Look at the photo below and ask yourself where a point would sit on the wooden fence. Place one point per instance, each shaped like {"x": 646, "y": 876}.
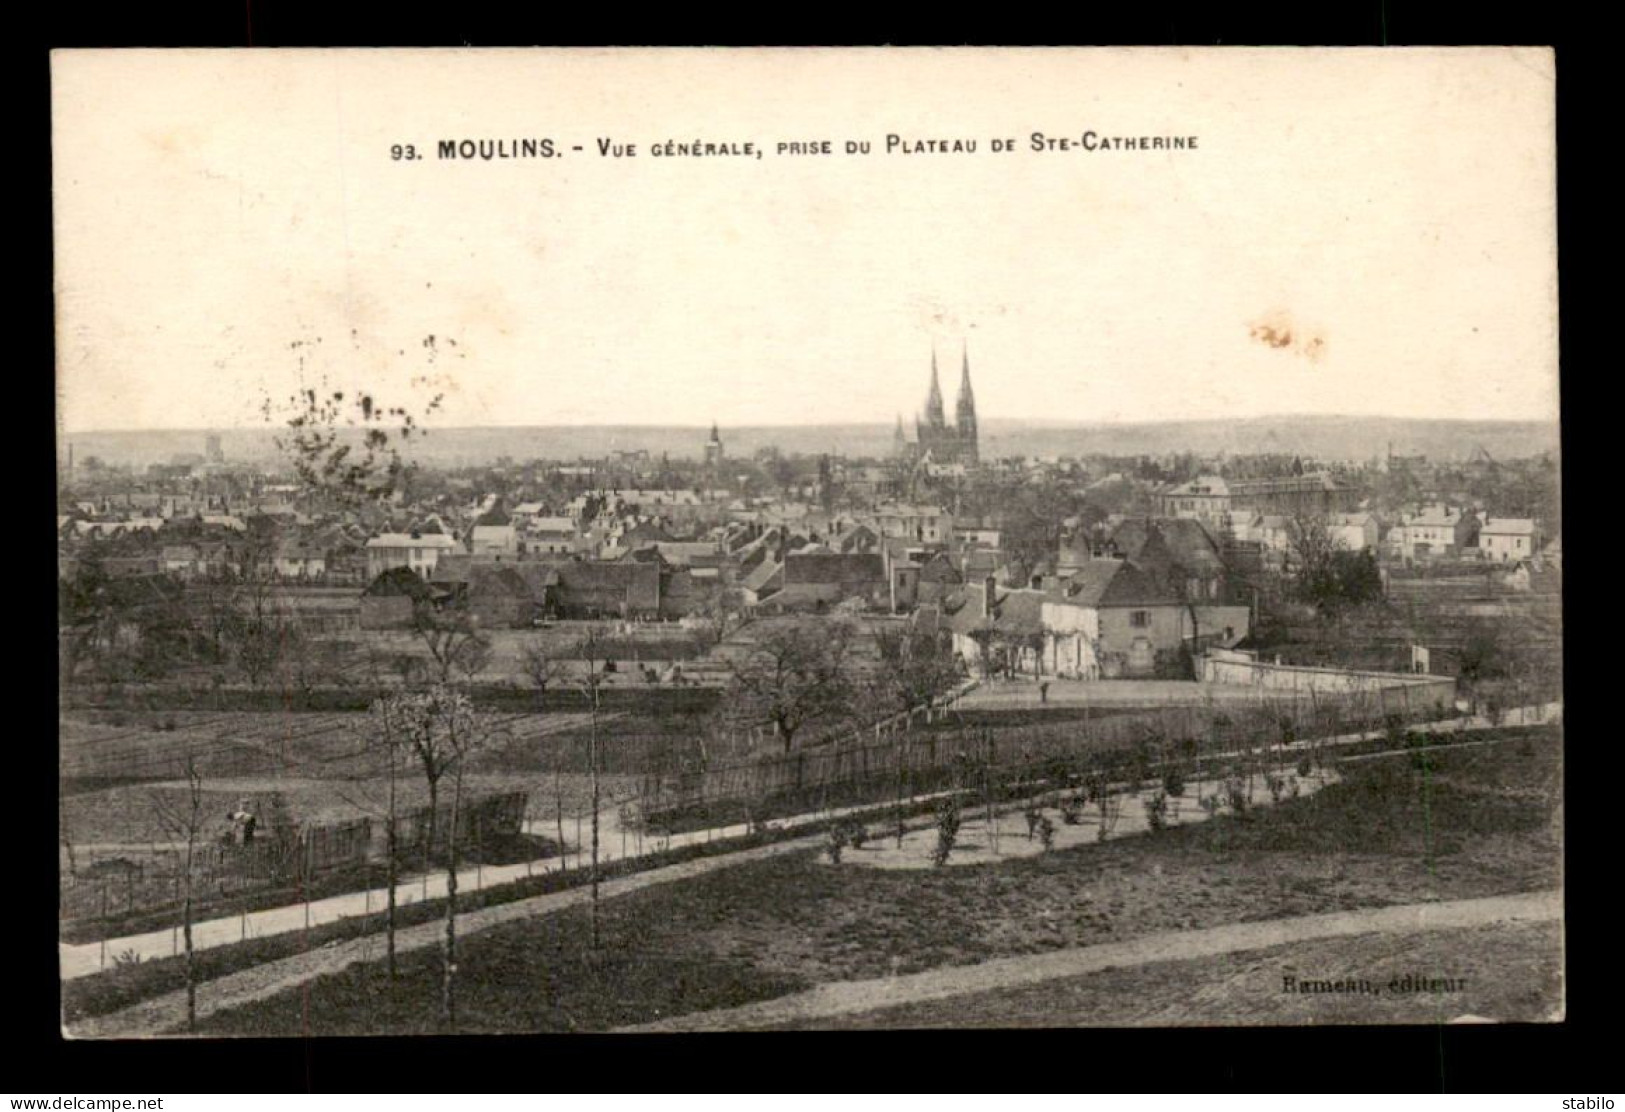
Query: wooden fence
{"x": 905, "y": 763}
{"x": 128, "y": 882}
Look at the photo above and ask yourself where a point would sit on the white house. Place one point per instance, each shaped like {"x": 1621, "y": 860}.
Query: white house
{"x": 1206, "y": 498}
{"x": 499, "y": 541}
{"x": 1436, "y": 531}
{"x": 552, "y": 536}
{"x": 418, "y": 551}
{"x": 1355, "y": 532}
{"x": 915, "y": 523}
{"x": 1504, "y": 540}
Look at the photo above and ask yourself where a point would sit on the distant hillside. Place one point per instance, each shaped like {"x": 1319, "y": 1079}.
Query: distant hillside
{"x": 1325, "y": 438}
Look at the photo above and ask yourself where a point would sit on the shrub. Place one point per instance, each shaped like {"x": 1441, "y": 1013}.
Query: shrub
{"x": 1305, "y": 767}
{"x": 947, "y": 829}
{"x": 1156, "y": 810}
{"x": 1393, "y": 725}
{"x": 125, "y": 958}
{"x": 1072, "y": 809}
{"x": 1058, "y": 771}
{"x": 1235, "y": 790}
{"x": 1096, "y": 786}
{"x": 1033, "y": 816}
{"x": 1173, "y": 783}
{"x": 857, "y": 835}
{"x": 838, "y": 836}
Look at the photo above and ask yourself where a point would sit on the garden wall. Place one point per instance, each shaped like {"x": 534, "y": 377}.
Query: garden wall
{"x": 1409, "y": 692}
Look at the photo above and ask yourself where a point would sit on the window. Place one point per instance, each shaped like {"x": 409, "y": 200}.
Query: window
{"x": 1139, "y": 619}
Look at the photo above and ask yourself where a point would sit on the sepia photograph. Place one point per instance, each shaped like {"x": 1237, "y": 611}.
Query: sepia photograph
{"x": 709, "y": 540}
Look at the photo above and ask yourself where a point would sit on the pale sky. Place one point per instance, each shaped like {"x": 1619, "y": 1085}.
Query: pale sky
{"x": 1390, "y": 211}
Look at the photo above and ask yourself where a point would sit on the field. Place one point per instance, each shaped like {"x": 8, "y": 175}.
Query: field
{"x": 1472, "y": 822}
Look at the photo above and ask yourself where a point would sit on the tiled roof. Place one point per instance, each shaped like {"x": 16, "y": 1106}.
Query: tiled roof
{"x": 1016, "y": 611}
{"x": 406, "y": 540}
{"x": 833, "y": 567}
{"x": 763, "y": 575}
{"x": 1109, "y": 583}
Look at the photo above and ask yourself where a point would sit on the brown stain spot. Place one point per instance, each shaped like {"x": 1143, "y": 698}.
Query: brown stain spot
{"x": 440, "y": 383}
{"x": 1271, "y": 335}
{"x": 1277, "y": 330}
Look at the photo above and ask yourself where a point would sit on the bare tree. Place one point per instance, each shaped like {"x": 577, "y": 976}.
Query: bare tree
{"x": 796, "y": 674}
{"x": 385, "y": 737}
{"x": 589, "y": 651}
{"x": 718, "y": 615}
{"x": 442, "y": 730}
{"x": 64, "y": 831}
{"x": 184, "y": 822}
{"x": 345, "y": 448}
{"x": 1312, "y": 554}
{"x": 454, "y": 641}
{"x": 914, "y": 669}
{"x": 543, "y": 668}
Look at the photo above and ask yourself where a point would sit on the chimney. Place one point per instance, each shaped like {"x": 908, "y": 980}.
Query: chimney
{"x": 990, "y": 587}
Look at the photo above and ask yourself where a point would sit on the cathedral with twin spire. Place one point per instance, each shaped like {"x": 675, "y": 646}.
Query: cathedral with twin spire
{"x": 933, "y": 436}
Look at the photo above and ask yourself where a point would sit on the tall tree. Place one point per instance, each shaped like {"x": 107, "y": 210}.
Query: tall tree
{"x": 589, "y": 651}
{"x": 442, "y": 731}
{"x": 795, "y": 674}
{"x": 914, "y": 669}
{"x": 184, "y": 821}
{"x": 345, "y": 448}
{"x": 454, "y": 640}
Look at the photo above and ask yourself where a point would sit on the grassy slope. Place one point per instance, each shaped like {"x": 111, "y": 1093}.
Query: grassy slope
{"x": 1509, "y": 972}
{"x": 1480, "y": 823}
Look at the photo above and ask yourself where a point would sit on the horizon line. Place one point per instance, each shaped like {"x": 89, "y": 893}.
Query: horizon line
{"x": 423, "y": 430}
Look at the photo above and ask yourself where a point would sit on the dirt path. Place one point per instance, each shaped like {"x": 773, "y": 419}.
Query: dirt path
{"x": 847, "y": 997}
{"x": 167, "y": 1014}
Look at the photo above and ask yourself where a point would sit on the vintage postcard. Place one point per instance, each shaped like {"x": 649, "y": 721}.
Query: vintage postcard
{"x": 701, "y": 540}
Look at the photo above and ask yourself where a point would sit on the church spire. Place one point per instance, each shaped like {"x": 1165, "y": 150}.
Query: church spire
{"x": 967, "y": 400}
{"x": 933, "y": 400}
{"x": 965, "y": 412}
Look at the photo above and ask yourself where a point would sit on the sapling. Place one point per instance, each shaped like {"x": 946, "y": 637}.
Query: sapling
{"x": 947, "y": 829}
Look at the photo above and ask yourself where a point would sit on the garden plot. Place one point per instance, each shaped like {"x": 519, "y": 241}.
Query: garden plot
{"x": 1125, "y": 815}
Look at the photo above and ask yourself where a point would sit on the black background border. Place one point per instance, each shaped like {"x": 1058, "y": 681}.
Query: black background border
{"x": 1569, "y": 1057}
